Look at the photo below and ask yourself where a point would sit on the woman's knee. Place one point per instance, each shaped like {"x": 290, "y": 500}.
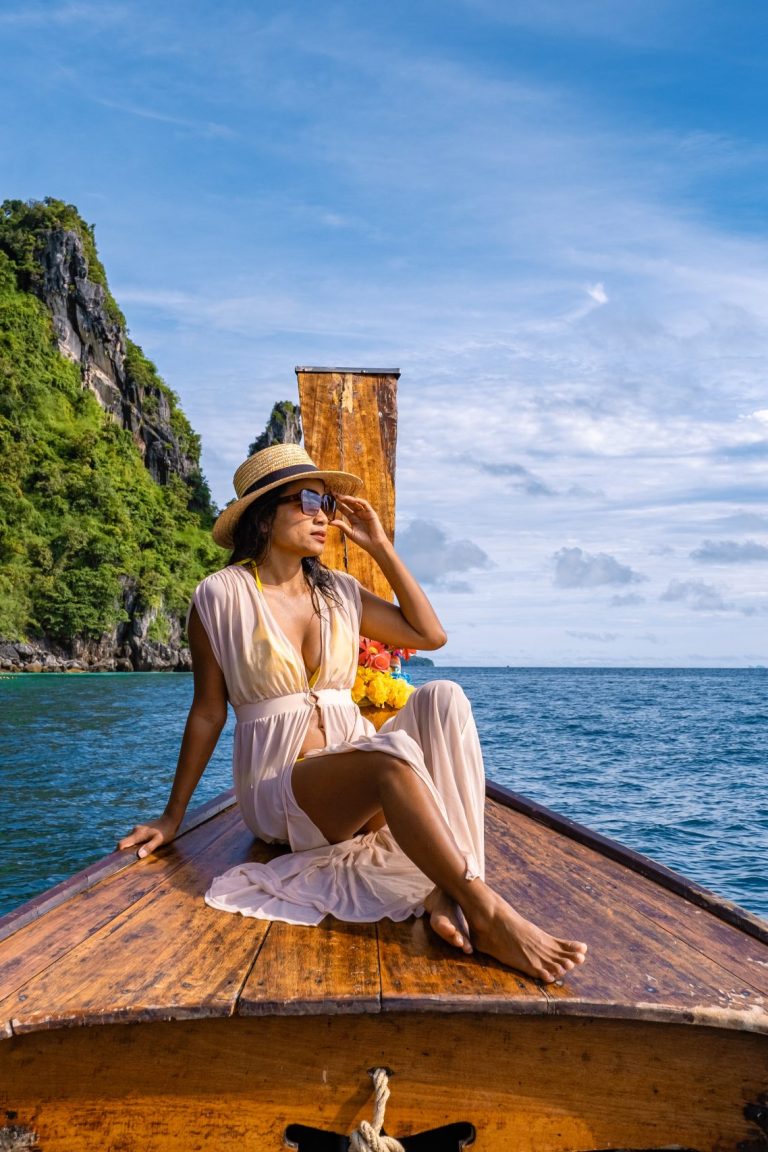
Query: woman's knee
{"x": 444, "y": 695}
{"x": 389, "y": 769}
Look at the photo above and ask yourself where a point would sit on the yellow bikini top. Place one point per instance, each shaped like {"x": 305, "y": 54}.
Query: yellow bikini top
{"x": 254, "y": 570}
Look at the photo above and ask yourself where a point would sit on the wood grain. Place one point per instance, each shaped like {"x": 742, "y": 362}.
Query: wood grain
{"x": 166, "y": 955}
{"x": 636, "y": 967}
{"x": 329, "y": 969}
{"x": 731, "y": 913}
{"x": 421, "y": 972}
{"x": 526, "y": 1084}
{"x": 39, "y": 943}
{"x": 350, "y": 423}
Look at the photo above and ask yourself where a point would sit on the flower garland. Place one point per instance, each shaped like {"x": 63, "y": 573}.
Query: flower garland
{"x": 380, "y": 681}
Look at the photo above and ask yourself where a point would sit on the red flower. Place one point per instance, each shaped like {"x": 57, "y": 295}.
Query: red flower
{"x": 374, "y": 654}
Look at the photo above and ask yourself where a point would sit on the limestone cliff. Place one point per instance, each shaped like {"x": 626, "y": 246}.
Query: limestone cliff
{"x": 110, "y": 363}
{"x": 104, "y": 513}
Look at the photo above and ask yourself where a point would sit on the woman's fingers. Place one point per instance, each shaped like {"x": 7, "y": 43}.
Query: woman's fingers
{"x": 136, "y": 836}
{"x": 151, "y": 844}
{"x": 145, "y": 835}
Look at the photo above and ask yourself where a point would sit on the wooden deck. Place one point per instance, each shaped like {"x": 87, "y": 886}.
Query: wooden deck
{"x": 132, "y": 940}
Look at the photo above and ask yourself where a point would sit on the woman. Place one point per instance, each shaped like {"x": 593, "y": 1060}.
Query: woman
{"x": 380, "y": 824}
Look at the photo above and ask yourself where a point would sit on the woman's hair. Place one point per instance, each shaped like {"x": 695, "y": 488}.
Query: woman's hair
{"x": 252, "y": 538}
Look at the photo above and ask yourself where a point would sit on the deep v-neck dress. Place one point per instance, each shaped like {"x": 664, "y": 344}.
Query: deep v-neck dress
{"x": 368, "y": 877}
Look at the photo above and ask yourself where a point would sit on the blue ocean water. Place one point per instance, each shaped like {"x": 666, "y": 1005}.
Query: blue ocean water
{"x": 671, "y": 762}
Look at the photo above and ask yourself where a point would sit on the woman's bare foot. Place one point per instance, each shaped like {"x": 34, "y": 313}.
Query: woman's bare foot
{"x": 447, "y": 920}
{"x": 507, "y": 936}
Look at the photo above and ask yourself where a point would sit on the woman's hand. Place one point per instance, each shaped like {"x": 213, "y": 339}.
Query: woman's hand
{"x": 362, "y": 525}
{"x": 150, "y": 836}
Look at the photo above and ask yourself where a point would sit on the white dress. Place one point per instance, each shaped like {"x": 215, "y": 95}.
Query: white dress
{"x": 368, "y": 877}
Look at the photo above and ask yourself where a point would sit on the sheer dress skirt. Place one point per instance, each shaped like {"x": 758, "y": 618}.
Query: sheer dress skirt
{"x": 368, "y": 877}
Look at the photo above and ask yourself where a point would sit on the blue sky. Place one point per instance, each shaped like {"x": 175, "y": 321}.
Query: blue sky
{"x": 550, "y": 217}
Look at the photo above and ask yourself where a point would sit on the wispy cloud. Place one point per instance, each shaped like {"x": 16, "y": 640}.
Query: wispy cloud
{"x": 522, "y": 478}
{"x": 81, "y": 15}
{"x": 730, "y": 552}
{"x": 626, "y": 600}
{"x": 200, "y": 127}
{"x": 695, "y": 594}
{"x": 598, "y": 637}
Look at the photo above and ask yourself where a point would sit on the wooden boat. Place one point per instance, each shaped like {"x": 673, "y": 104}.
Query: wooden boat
{"x": 133, "y": 1016}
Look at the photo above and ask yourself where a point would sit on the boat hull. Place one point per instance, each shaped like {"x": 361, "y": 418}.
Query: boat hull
{"x": 526, "y": 1083}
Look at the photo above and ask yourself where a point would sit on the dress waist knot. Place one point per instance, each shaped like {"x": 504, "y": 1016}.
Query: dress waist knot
{"x": 295, "y": 702}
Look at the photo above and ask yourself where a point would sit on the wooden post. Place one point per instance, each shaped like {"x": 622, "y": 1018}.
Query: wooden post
{"x": 350, "y": 423}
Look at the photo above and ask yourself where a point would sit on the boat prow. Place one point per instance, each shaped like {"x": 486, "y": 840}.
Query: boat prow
{"x": 135, "y": 1016}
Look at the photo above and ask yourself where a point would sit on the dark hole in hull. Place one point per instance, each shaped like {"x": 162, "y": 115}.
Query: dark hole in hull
{"x": 450, "y": 1138}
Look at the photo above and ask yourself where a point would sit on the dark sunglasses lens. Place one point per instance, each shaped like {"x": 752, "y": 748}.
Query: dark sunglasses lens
{"x": 312, "y": 502}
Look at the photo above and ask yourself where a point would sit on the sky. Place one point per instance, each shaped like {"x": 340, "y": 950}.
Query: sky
{"x": 550, "y": 217}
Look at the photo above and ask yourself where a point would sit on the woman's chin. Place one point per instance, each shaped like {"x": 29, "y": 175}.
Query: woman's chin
{"x": 313, "y": 552}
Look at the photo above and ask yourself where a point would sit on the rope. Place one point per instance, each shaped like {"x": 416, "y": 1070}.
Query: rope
{"x": 367, "y": 1137}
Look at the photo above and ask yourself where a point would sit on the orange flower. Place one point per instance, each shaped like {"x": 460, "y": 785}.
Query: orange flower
{"x": 374, "y": 654}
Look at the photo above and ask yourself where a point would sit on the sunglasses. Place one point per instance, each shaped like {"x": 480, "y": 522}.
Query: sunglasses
{"x": 312, "y": 502}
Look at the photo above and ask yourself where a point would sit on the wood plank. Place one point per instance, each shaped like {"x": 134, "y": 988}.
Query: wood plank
{"x": 734, "y": 949}
{"x": 681, "y": 885}
{"x": 636, "y": 968}
{"x": 419, "y": 972}
{"x": 167, "y": 956}
{"x": 304, "y": 971}
{"x": 350, "y": 423}
{"x": 36, "y": 946}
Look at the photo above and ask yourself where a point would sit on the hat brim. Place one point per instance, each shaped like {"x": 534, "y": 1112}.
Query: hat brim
{"x": 340, "y": 483}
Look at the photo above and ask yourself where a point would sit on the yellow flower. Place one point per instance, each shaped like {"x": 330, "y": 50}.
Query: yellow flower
{"x": 359, "y": 689}
{"x": 399, "y": 693}
{"x": 378, "y": 689}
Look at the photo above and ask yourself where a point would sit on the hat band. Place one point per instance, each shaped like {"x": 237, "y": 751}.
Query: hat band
{"x": 278, "y": 475}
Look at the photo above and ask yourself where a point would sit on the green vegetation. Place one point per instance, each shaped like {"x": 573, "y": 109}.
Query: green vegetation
{"x": 283, "y": 426}
{"x": 24, "y": 226}
{"x": 82, "y": 522}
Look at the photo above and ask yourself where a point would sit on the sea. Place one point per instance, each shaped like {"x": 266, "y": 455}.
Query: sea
{"x": 670, "y": 762}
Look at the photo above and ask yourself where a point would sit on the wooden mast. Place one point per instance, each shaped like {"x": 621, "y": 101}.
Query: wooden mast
{"x": 350, "y": 423}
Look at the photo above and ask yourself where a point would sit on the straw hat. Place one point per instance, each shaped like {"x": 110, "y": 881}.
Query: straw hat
{"x": 268, "y": 469}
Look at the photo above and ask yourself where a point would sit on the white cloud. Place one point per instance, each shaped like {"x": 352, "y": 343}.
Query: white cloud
{"x": 433, "y": 556}
{"x": 575, "y": 568}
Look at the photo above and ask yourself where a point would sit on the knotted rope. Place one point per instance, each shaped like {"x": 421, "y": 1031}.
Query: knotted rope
{"x": 367, "y": 1137}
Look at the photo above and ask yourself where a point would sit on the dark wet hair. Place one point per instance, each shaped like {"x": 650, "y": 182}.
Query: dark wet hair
{"x": 252, "y": 538}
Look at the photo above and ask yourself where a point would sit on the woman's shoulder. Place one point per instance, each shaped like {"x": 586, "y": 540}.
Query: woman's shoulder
{"x": 346, "y": 588}
{"x": 345, "y": 584}
{"x": 222, "y": 584}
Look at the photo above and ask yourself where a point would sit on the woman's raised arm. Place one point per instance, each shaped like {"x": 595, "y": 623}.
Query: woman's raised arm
{"x": 412, "y": 622}
{"x": 207, "y": 716}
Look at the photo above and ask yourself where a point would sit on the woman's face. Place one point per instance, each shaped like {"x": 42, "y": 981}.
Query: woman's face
{"x": 293, "y": 530}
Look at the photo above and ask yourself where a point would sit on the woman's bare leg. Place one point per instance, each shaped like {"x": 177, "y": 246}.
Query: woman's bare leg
{"x": 340, "y": 792}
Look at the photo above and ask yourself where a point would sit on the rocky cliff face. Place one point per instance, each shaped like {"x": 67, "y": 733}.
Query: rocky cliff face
{"x": 96, "y": 340}
{"x": 100, "y": 548}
